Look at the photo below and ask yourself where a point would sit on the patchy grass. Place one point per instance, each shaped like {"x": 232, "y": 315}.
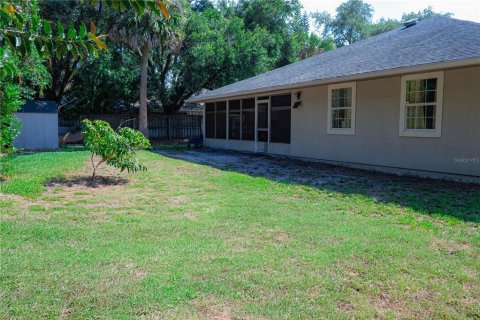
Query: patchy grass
{"x": 188, "y": 240}
{"x": 26, "y": 173}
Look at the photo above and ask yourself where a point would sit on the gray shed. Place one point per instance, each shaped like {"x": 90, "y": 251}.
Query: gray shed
{"x": 39, "y": 125}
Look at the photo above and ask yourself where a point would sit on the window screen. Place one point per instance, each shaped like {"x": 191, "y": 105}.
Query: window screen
{"x": 280, "y": 118}
{"x": 221, "y": 120}
{"x": 234, "y": 120}
{"x": 248, "y": 119}
{"x": 421, "y": 103}
{"x": 210, "y": 120}
{"x": 262, "y": 116}
{"x": 341, "y": 108}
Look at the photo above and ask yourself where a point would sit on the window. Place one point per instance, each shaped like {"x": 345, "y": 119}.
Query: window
{"x": 421, "y": 105}
{"x": 234, "y": 120}
{"x": 210, "y": 120}
{"x": 341, "y": 108}
{"x": 216, "y": 120}
{"x": 248, "y": 119}
{"x": 281, "y": 107}
{"x": 221, "y": 120}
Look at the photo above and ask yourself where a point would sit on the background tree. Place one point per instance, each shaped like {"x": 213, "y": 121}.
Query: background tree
{"x": 104, "y": 85}
{"x": 351, "y": 22}
{"x": 24, "y": 35}
{"x": 144, "y": 33}
{"x": 424, "y": 14}
{"x": 215, "y": 51}
{"x": 25, "y": 40}
{"x": 63, "y": 68}
{"x": 384, "y": 25}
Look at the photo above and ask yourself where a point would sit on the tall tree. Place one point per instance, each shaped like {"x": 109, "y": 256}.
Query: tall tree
{"x": 64, "y": 68}
{"x": 104, "y": 85}
{"x": 215, "y": 51}
{"x": 144, "y": 33}
{"x": 24, "y": 34}
{"x": 426, "y": 13}
{"x": 275, "y": 16}
{"x": 201, "y": 5}
{"x": 384, "y": 25}
{"x": 350, "y": 24}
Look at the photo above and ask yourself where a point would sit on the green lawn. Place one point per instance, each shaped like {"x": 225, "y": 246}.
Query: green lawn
{"x": 192, "y": 241}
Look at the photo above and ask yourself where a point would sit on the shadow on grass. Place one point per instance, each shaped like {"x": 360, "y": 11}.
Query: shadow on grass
{"x": 85, "y": 181}
{"x": 449, "y": 200}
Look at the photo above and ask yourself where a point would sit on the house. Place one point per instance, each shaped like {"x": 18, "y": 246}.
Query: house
{"x": 406, "y": 101}
{"x": 39, "y": 130}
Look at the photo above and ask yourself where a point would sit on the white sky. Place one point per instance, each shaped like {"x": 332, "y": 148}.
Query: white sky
{"x": 462, "y": 9}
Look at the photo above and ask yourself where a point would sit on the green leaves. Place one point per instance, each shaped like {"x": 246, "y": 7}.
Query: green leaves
{"x": 117, "y": 149}
{"x": 21, "y": 31}
{"x": 7, "y": 69}
{"x": 60, "y": 30}
{"x": 72, "y": 34}
{"x": 159, "y": 7}
{"x": 47, "y": 29}
{"x": 11, "y": 102}
{"x": 83, "y": 30}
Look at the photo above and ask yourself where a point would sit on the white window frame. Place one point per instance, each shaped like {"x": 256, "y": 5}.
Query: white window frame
{"x": 347, "y": 131}
{"x": 421, "y": 133}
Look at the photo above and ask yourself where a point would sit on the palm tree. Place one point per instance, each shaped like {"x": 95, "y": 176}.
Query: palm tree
{"x": 144, "y": 33}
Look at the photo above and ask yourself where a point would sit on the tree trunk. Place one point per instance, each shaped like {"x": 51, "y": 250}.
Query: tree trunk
{"x": 143, "y": 121}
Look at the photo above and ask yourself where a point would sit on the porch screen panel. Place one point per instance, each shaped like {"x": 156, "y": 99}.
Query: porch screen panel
{"x": 262, "y": 121}
{"x": 248, "y": 119}
{"x": 234, "y": 120}
{"x": 210, "y": 120}
{"x": 281, "y": 107}
{"x": 221, "y": 120}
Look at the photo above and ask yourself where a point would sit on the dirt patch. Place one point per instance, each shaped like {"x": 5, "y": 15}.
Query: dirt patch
{"x": 450, "y": 246}
{"x": 65, "y": 313}
{"x": 141, "y": 273}
{"x": 384, "y": 304}
{"x": 335, "y": 241}
{"x": 106, "y": 177}
{"x": 189, "y": 215}
{"x": 85, "y": 181}
{"x": 346, "y": 307}
{"x": 222, "y": 313}
{"x": 178, "y": 200}
{"x": 282, "y": 237}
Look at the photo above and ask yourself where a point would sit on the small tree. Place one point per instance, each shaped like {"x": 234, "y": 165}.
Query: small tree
{"x": 115, "y": 148}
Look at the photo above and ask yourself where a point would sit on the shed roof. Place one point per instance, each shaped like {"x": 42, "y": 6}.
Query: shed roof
{"x": 39, "y": 106}
{"x": 429, "y": 43}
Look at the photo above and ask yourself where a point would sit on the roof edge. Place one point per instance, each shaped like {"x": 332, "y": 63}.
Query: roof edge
{"x": 362, "y": 76}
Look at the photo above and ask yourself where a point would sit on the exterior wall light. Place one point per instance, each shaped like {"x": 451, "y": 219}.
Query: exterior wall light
{"x": 297, "y": 103}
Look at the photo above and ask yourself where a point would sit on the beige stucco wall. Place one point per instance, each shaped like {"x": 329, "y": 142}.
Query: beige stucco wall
{"x": 376, "y": 140}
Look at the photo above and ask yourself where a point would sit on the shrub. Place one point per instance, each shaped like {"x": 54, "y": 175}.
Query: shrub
{"x": 115, "y": 148}
{"x": 9, "y": 125}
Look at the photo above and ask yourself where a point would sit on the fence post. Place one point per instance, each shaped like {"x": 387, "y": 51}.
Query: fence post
{"x": 168, "y": 129}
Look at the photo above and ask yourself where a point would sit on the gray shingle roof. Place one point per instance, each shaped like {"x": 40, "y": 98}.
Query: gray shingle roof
{"x": 437, "y": 40}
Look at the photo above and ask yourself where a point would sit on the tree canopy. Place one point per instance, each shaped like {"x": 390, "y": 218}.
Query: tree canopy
{"x": 27, "y": 41}
{"x": 217, "y": 43}
{"x": 353, "y": 22}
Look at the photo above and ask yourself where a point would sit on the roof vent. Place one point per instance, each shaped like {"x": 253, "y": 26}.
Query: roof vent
{"x": 410, "y": 23}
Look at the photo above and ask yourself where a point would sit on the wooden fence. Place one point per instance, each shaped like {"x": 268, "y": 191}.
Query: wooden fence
{"x": 165, "y": 127}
